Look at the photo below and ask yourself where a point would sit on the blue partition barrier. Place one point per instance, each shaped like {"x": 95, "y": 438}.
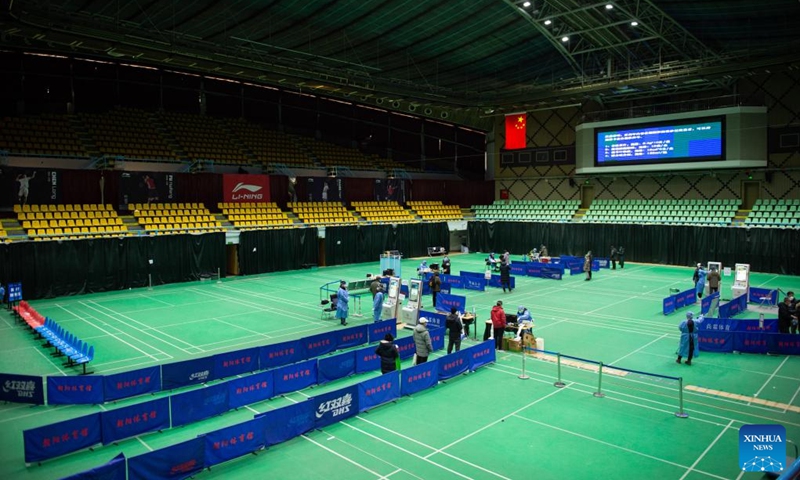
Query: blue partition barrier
{"x": 734, "y": 307}
{"x": 453, "y": 364}
{"x": 86, "y": 389}
{"x": 335, "y": 406}
{"x": 350, "y": 337}
{"x": 295, "y": 377}
{"x": 481, "y": 354}
{"x": 406, "y": 347}
{"x": 198, "y": 404}
{"x": 783, "y": 343}
{"x": 575, "y": 268}
{"x": 679, "y": 300}
{"x": 435, "y": 319}
{"x": 288, "y": 422}
{"x": 234, "y": 441}
{"x": 553, "y": 273}
{"x": 437, "y": 337}
{"x": 251, "y": 389}
{"x": 705, "y": 302}
{"x": 320, "y": 344}
{"x": 336, "y": 366}
{"x": 445, "y": 302}
{"x": 720, "y": 342}
{"x": 21, "y": 389}
{"x": 367, "y": 360}
{"x": 115, "y": 469}
{"x": 420, "y": 377}
{"x": 230, "y": 364}
{"x": 668, "y": 305}
{"x": 189, "y": 372}
{"x": 134, "y": 420}
{"x": 280, "y": 354}
{"x": 61, "y": 438}
{"x": 378, "y": 330}
{"x": 763, "y": 295}
{"x": 769, "y": 325}
{"x": 175, "y": 462}
{"x": 129, "y": 384}
{"x": 750, "y": 342}
{"x": 378, "y": 391}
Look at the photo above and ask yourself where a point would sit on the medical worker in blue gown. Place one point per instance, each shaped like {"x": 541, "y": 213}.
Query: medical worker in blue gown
{"x": 689, "y": 346}
{"x": 342, "y": 297}
{"x": 377, "y": 304}
{"x": 700, "y": 286}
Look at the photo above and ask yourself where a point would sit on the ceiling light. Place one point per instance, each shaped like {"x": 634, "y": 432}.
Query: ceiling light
{"x": 609, "y": 6}
{"x": 565, "y": 39}
{"x": 548, "y": 22}
{"x": 634, "y": 23}
{"x": 526, "y": 4}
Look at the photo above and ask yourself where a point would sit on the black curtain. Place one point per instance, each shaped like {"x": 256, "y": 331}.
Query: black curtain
{"x": 52, "y": 269}
{"x": 766, "y": 250}
{"x": 356, "y": 244}
{"x": 413, "y": 239}
{"x": 263, "y": 251}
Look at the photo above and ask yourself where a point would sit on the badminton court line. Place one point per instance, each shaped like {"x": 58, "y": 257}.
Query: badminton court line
{"x": 637, "y": 350}
{"x": 258, "y": 307}
{"x": 51, "y": 362}
{"x": 722, "y": 365}
{"x": 771, "y": 376}
{"x": 378, "y": 475}
{"x": 372, "y": 455}
{"x": 619, "y": 447}
{"x": 687, "y": 472}
{"x": 139, "y": 329}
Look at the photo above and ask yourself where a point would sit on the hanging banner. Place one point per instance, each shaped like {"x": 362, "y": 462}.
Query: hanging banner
{"x": 56, "y": 439}
{"x": 136, "y": 419}
{"x": 420, "y": 377}
{"x": 189, "y": 407}
{"x": 21, "y": 389}
{"x": 350, "y": 337}
{"x": 189, "y": 372}
{"x": 30, "y": 186}
{"x": 325, "y": 189}
{"x": 377, "y": 331}
{"x": 116, "y": 469}
{"x": 86, "y": 389}
{"x": 288, "y": 422}
{"x": 150, "y": 187}
{"x": 335, "y": 367}
{"x": 378, "y": 391}
{"x": 237, "y": 440}
{"x": 169, "y": 463}
{"x": 335, "y": 406}
{"x": 279, "y": 354}
{"x": 453, "y": 364}
{"x": 367, "y": 360}
{"x": 295, "y": 377}
{"x": 129, "y": 384}
{"x": 251, "y": 389}
{"x": 391, "y": 190}
{"x": 245, "y": 188}
{"x": 481, "y": 354}
{"x": 229, "y": 364}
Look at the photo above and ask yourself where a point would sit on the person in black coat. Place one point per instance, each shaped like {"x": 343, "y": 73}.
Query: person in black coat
{"x": 388, "y": 353}
{"x": 505, "y": 276}
{"x": 455, "y": 327}
{"x": 785, "y": 316}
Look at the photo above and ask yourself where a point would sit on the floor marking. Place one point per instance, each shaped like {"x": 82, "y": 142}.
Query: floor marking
{"x": 771, "y": 376}
{"x": 157, "y": 300}
{"x": 791, "y": 401}
{"x": 51, "y": 362}
{"x": 142, "y": 442}
{"x": 619, "y": 447}
{"x": 706, "y": 450}
{"x": 341, "y": 456}
{"x": 579, "y": 365}
{"x": 638, "y": 349}
{"x": 252, "y": 409}
{"x": 744, "y": 398}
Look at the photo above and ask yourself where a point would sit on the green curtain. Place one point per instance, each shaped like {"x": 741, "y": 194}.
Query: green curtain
{"x": 767, "y": 250}
{"x": 263, "y": 251}
{"x": 413, "y": 239}
{"x": 51, "y": 269}
{"x": 356, "y": 244}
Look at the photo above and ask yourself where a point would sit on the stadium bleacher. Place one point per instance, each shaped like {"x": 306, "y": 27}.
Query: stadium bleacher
{"x": 383, "y": 212}
{"x": 435, "y": 210}
{"x": 718, "y": 212}
{"x": 127, "y": 132}
{"x": 173, "y": 218}
{"x": 255, "y": 215}
{"x": 322, "y": 213}
{"x": 202, "y": 138}
{"x": 783, "y": 213}
{"x": 48, "y": 134}
{"x": 528, "y": 210}
{"x": 59, "y": 222}
{"x": 268, "y": 146}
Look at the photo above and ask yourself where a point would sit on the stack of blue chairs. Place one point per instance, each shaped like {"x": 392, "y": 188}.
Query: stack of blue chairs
{"x": 66, "y": 344}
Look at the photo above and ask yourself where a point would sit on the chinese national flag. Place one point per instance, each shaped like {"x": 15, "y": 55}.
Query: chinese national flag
{"x": 515, "y": 131}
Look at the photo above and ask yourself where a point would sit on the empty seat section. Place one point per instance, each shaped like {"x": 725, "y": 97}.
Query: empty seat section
{"x": 173, "y": 218}
{"x": 384, "y": 212}
{"x": 528, "y": 210}
{"x": 251, "y": 216}
{"x": 435, "y": 210}
{"x": 322, "y": 213}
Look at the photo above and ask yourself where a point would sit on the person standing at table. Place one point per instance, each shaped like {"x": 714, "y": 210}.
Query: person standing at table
{"x": 446, "y": 265}
{"x": 436, "y": 285}
{"x": 713, "y": 280}
{"x": 455, "y": 327}
{"x": 700, "y": 286}
{"x": 621, "y": 255}
{"x": 543, "y": 251}
{"x": 342, "y": 299}
{"x": 613, "y": 258}
{"x": 505, "y": 276}
{"x": 377, "y": 304}
{"x": 785, "y": 316}
{"x": 498, "y": 324}
{"x": 422, "y": 341}
{"x": 388, "y": 353}
{"x": 373, "y": 287}
{"x": 587, "y": 265}
{"x": 689, "y": 346}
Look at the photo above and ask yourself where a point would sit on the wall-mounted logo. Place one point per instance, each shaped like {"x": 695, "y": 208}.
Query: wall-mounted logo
{"x": 762, "y": 448}
{"x": 244, "y": 186}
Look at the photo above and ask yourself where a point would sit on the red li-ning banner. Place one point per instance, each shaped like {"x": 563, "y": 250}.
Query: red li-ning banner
{"x": 241, "y": 188}
{"x": 515, "y": 131}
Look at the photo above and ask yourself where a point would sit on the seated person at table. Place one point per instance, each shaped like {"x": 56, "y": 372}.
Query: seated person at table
{"x": 534, "y": 255}
{"x": 524, "y": 320}
{"x": 446, "y": 265}
{"x": 423, "y": 268}
{"x": 492, "y": 262}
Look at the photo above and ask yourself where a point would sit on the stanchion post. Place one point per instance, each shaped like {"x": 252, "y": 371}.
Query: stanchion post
{"x": 599, "y": 393}
{"x": 680, "y": 413}
{"x": 149, "y": 281}
{"x": 559, "y": 383}
{"x": 219, "y": 277}
{"x": 523, "y": 376}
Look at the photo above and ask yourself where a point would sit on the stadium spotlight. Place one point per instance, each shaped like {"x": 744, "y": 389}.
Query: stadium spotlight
{"x": 548, "y": 22}
{"x": 634, "y": 23}
{"x": 526, "y": 4}
{"x": 565, "y": 39}
{"x": 609, "y": 6}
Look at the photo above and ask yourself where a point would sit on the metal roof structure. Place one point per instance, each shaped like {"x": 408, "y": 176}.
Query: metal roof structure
{"x": 477, "y": 55}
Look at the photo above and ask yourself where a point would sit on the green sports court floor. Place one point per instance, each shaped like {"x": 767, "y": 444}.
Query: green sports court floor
{"x": 488, "y": 424}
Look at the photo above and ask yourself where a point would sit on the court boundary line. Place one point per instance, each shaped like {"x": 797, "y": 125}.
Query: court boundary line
{"x": 638, "y": 350}
{"x": 372, "y": 455}
{"x": 329, "y": 450}
{"x": 771, "y": 376}
{"x": 755, "y": 372}
{"x": 51, "y": 362}
{"x": 708, "y": 448}
{"x": 143, "y": 443}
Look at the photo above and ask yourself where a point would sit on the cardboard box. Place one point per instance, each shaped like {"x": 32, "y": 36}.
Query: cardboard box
{"x": 514, "y": 345}
{"x": 528, "y": 340}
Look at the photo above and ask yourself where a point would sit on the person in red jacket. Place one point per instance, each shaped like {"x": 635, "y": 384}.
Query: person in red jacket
{"x": 499, "y": 324}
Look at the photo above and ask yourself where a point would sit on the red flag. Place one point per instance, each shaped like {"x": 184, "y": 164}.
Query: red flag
{"x": 515, "y": 131}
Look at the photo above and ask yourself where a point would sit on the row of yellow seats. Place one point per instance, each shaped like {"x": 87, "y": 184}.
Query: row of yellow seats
{"x": 76, "y": 231}
{"x": 94, "y": 222}
{"x": 171, "y": 213}
{"x": 313, "y": 204}
{"x": 162, "y": 206}
{"x": 251, "y": 211}
{"x": 257, "y": 223}
{"x": 381, "y": 209}
{"x": 170, "y": 220}
{"x": 391, "y": 220}
{"x": 62, "y": 208}
{"x": 402, "y": 213}
{"x": 182, "y": 226}
{"x": 328, "y": 214}
{"x": 222, "y": 205}
{"x": 319, "y": 210}
{"x": 372, "y": 203}
{"x": 65, "y": 215}
{"x": 239, "y": 218}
